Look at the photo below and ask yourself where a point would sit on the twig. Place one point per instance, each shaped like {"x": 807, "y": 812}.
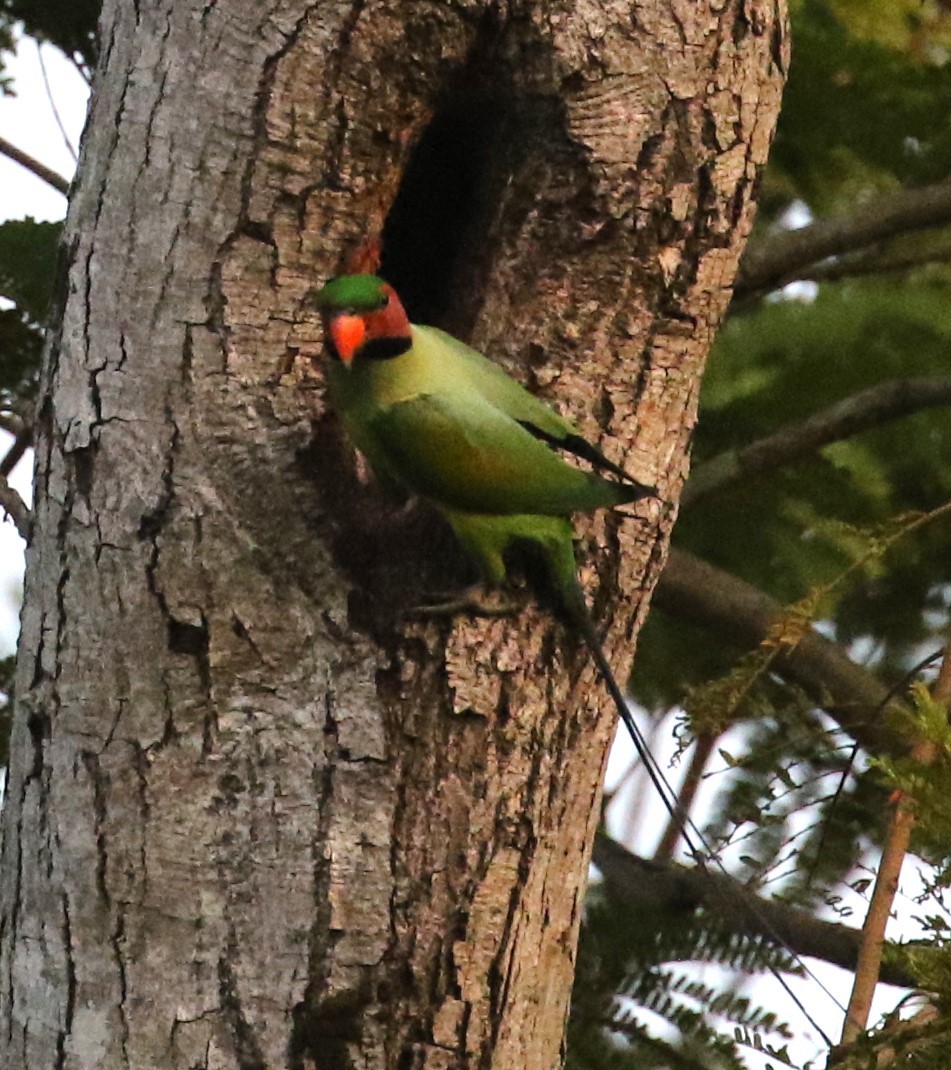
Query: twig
{"x": 850, "y": 416}
{"x": 896, "y": 688}
{"x": 21, "y": 443}
{"x": 897, "y": 838}
{"x": 15, "y": 508}
{"x": 52, "y": 101}
{"x": 688, "y": 792}
{"x": 641, "y": 884}
{"x": 11, "y": 423}
{"x": 82, "y": 68}
{"x": 739, "y": 612}
{"x": 783, "y": 257}
{"x": 868, "y": 967}
{"x": 39, "y": 169}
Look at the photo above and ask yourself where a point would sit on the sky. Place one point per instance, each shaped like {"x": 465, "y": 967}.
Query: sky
{"x": 29, "y": 122}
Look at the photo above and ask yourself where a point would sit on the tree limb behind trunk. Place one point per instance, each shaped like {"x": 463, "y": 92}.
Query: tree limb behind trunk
{"x": 859, "y": 702}
{"x": 785, "y": 256}
{"x": 638, "y": 884}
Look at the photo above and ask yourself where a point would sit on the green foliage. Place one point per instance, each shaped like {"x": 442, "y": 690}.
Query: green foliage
{"x": 68, "y": 24}
{"x": 862, "y": 112}
{"x": 801, "y": 527}
{"x": 796, "y": 808}
{"x": 7, "y": 44}
{"x": 916, "y": 27}
{"x": 21, "y": 346}
{"x": 853, "y": 536}
{"x": 909, "y": 1041}
{"x": 630, "y": 965}
{"x": 925, "y": 786}
{"x": 930, "y": 959}
{"x": 28, "y": 251}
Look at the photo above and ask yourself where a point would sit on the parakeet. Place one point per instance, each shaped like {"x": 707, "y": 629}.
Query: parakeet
{"x": 442, "y": 421}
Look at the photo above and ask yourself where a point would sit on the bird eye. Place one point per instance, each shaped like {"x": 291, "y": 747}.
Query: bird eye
{"x": 385, "y": 300}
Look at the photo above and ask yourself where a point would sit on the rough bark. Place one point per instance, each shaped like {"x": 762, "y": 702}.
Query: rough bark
{"x": 254, "y": 818}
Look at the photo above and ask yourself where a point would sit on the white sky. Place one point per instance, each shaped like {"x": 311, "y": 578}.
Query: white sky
{"x": 28, "y": 121}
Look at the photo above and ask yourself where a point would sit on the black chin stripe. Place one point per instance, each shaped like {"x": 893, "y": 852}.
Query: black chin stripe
{"x": 385, "y": 348}
{"x": 377, "y": 349}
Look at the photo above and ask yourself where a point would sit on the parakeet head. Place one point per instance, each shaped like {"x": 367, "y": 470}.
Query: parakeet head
{"x": 363, "y": 318}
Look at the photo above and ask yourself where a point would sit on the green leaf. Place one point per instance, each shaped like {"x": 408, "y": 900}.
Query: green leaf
{"x": 28, "y": 252}
{"x": 21, "y": 349}
{"x": 862, "y": 112}
{"x": 68, "y": 24}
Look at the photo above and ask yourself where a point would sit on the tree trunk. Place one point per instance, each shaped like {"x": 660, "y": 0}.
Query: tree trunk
{"x": 255, "y": 816}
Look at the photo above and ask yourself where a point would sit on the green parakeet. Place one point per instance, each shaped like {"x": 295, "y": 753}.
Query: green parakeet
{"x": 444, "y": 422}
{"x": 439, "y": 419}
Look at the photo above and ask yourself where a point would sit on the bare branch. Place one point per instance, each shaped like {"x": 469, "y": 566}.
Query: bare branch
{"x": 52, "y": 102}
{"x": 869, "y": 962}
{"x": 640, "y": 883}
{"x": 702, "y": 751}
{"x": 48, "y": 175}
{"x": 15, "y": 508}
{"x": 850, "y": 416}
{"x": 737, "y": 611}
{"x": 773, "y": 261}
{"x": 22, "y": 442}
{"x": 12, "y": 423}
{"x": 897, "y": 839}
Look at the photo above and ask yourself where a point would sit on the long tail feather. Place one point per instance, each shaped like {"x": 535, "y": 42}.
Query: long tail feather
{"x": 580, "y": 617}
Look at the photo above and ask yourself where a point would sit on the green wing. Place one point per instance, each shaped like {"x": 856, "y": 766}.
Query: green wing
{"x": 509, "y": 396}
{"x": 462, "y": 452}
{"x": 500, "y": 389}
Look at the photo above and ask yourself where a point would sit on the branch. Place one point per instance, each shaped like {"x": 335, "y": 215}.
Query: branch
{"x": 15, "y": 508}
{"x": 850, "y": 416}
{"x": 783, "y": 257}
{"x": 857, "y": 700}
{"x": 868, "y": 964}
{"x": 639, "y": 884}
{"x": 876, "y": 262}
{"x": 12, "y": 423}
{"x": 48, "y": 175}
{"x": 10, "y": 501}
{"x": 897, "y": 839}
{"x": 702, "y": 751}
{"x": 52, "y": 103}
{"x": 19, "y": 446}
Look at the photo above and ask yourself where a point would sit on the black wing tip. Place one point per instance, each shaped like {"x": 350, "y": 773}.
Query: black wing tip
{"x": 582, "y": 448}
{"x": 633, "y": 491}
{"x": 629, "y": 488}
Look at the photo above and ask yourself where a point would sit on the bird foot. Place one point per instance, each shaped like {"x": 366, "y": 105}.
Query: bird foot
{"x": 475, "y": 601}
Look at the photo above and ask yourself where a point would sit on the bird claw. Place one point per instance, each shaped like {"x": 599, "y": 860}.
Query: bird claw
{"x": 477, "y": 601}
